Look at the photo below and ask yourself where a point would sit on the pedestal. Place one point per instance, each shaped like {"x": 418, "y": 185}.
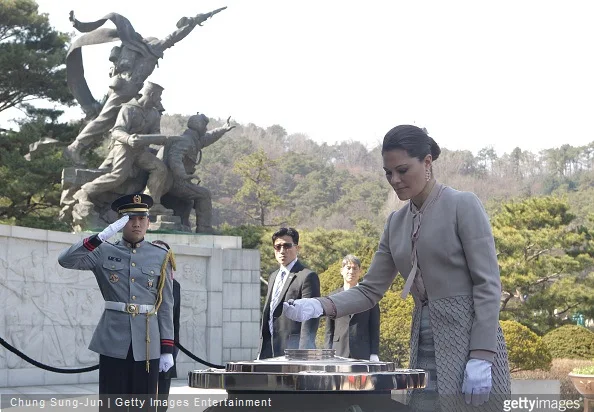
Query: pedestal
{"x": 167, "y": 222}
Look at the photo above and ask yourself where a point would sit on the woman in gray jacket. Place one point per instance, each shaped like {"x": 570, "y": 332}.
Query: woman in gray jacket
{"x": 441, "y": 243}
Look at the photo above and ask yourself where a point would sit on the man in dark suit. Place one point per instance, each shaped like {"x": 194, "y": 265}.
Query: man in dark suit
{"x": 354, "y": 336}
{"x": 165, "y": 377}
{"x": 291, "y": 281}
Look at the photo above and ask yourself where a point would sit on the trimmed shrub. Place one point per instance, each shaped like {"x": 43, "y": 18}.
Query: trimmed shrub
{"x": 251, "y": 235}
{"x": 395, "y": 322}
{"x": 570, "y": 342}
{"x": 526, "y": 350}
{"x": 331, "y": 279}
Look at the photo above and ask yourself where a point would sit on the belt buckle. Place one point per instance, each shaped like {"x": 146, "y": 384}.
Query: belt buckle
{"x": 132, "y": 309}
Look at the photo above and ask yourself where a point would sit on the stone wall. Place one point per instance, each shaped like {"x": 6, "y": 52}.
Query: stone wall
{"x": 50, "y": 313}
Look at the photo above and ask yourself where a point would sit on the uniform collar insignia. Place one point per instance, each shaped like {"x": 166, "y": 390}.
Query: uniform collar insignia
{"x": 132, "y": 245}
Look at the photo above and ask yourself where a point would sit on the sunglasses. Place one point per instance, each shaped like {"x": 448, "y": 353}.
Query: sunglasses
{"x": 279, "y": 246}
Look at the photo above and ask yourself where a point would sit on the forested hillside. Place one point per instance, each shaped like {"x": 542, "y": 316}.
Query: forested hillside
{"x": 267, "y": 178}
{"x": 300, "y": 182}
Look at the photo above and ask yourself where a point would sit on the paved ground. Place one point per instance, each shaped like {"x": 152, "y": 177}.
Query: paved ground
{"x": 186, "y": 398}
{"x": 178, "y": 386}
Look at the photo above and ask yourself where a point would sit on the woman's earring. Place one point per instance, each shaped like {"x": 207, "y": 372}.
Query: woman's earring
{"x": 427, "y": 174}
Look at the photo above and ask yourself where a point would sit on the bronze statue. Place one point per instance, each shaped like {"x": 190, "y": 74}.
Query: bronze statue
{"x": 137, "y": 127}
{"x": 133, "y": 122}
{"x": 181, "y": 156}
{"x": 133, "y": 62}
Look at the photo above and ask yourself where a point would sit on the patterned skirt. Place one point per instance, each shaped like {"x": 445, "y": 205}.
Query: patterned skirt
{"x": 452, "y": 400}
{"x": 426, "y": 399}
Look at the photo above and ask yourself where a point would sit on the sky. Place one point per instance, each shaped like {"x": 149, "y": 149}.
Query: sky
{"x": 502, "y": 73}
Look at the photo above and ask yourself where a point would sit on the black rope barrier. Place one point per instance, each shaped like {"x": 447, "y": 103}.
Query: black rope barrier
{"x": 33, "y": 362}
{"x": 40, "y": 365}
{"x": 196, "y": 358}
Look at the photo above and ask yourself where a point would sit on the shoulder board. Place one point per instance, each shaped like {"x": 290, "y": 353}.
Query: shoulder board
{"x": 162, "y": 249}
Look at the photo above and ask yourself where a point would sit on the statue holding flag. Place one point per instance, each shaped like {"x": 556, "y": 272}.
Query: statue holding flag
{"x": 133, "y": 62}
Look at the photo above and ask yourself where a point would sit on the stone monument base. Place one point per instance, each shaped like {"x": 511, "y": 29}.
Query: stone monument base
{"x": 96, "y": 214}
{"x": 165, "y": 222}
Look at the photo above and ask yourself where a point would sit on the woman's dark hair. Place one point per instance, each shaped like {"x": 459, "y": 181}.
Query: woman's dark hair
{"x": 414, "y": 140}
{"x": 284, "y": 231}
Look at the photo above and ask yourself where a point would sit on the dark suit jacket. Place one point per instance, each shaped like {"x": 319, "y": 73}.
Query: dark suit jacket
{"x": 354, "y": 337}
{"x": 172, "y": 373}
{"x": 288, "y": 334}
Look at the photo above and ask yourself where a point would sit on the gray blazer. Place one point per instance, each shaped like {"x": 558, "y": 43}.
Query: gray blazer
{"x": 129, "y": 274}
{"x": 457, "y": 256}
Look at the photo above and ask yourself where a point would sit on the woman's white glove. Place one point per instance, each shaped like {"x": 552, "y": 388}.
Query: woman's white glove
{"x": 477, "y": 382}
{"x": 301, "y": 310}
{"x": 374, "y": 358}
{"x": 114, "y": 228}
{"x": 165, "y": 362}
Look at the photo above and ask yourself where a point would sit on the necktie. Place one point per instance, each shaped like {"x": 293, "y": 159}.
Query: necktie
{"x": 276, "y": 291}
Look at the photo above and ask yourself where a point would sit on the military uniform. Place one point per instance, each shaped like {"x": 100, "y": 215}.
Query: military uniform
{"x": 128, "y": 276}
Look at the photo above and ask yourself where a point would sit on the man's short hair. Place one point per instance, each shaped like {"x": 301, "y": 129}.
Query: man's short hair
{"x": 351, "y": 259}
{"x": 286, "y": 231}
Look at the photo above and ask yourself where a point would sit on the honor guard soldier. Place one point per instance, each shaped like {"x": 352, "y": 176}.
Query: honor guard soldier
{"x": 134, "y": 337}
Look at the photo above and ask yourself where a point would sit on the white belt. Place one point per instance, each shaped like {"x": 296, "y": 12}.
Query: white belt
{"x": 131, "y": 308}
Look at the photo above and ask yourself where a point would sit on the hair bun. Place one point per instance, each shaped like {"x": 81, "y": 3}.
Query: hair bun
{"x": 435, "y": 150}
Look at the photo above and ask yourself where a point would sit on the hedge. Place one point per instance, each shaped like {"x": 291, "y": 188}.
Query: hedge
{"x": 570, "y": 342}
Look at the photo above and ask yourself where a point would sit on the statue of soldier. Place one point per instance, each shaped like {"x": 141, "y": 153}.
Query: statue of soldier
{"x": 181, "y": 156}
{"x": 136, "y": 128}
{"x": 133, "y": 63}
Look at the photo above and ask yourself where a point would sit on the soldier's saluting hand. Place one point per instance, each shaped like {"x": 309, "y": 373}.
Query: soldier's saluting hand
{"x": 114, "y": 228}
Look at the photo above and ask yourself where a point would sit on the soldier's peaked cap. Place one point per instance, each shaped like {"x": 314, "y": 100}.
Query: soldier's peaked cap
{"x": 137, "y": 204}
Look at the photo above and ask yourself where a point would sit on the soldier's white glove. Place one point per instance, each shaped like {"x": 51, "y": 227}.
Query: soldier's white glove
{"x": 477, "y": 382}
{"x": 114, "y": 228}
{"x": 374, "y": 358}
{"x": 165, "y": 362}
{"x": 301, "y": 310}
